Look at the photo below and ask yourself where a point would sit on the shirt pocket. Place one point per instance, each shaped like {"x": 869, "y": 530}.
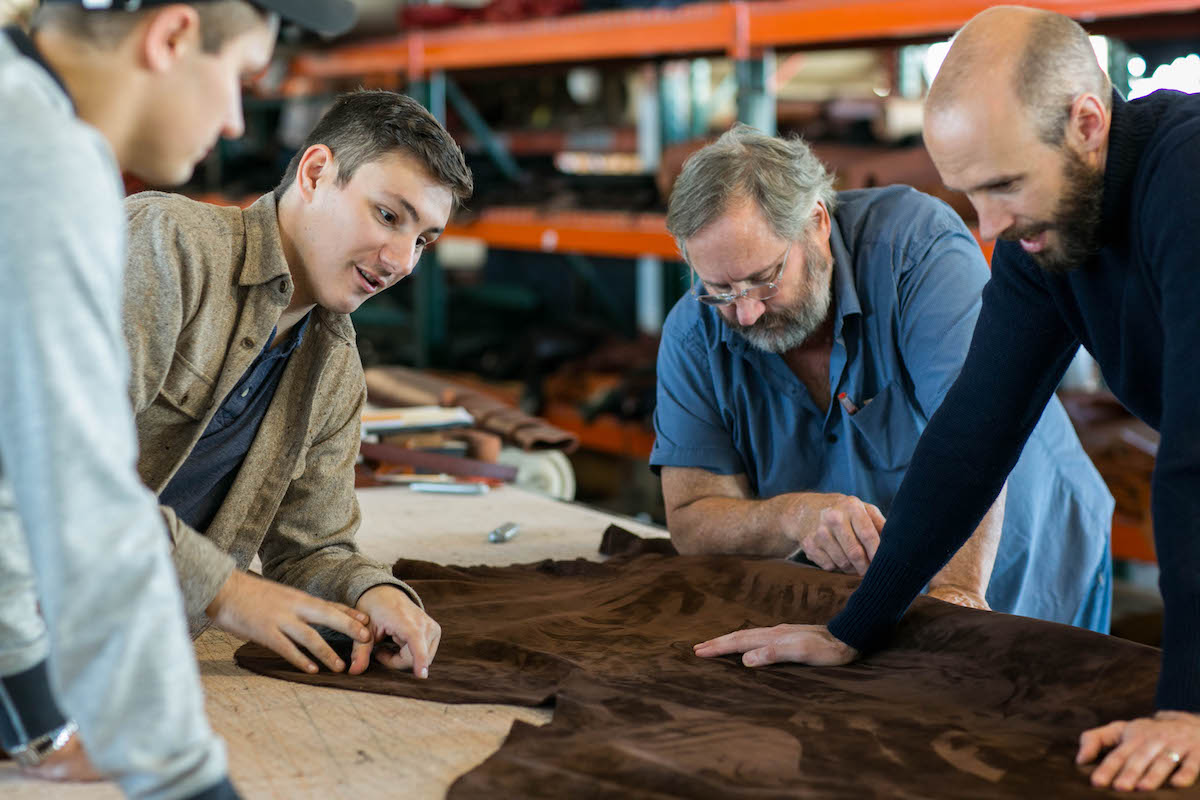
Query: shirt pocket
{"x": 187, "y": 390}
{"x": 887, "y": 428}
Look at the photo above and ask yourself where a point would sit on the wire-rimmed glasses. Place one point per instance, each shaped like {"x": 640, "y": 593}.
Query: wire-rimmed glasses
{"x": 759, "y": 290}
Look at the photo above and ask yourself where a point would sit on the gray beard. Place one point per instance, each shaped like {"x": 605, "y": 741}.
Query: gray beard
{"x": 783, "y": 329}
{"x": 786, "y": 328}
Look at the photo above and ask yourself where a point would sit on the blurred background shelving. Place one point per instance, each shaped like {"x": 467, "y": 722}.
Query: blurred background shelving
{"x": 576, "y": 116}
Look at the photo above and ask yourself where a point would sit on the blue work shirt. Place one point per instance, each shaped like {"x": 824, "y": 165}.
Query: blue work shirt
{"x": 907, "y": 282}
{"x": 198, "y": 488}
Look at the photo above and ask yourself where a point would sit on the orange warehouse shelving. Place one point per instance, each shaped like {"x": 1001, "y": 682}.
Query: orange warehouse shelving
{"x": 735, "y": 29}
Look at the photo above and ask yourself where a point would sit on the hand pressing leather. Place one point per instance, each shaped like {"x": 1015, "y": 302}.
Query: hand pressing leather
{"x": 802, "y": 644}
{"x": 281, "y": 618}
{"x": 396, "y": 618}
{"x": 1146, "y": 752}
{"x": 846, "y": 538}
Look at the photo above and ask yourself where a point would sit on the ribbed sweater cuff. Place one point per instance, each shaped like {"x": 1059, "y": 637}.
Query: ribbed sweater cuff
{"x": 878, "y": 603}
{"x": 222, "y": 791}
{"x": 1179, "y": 682}
{"x": 27, "y": 707}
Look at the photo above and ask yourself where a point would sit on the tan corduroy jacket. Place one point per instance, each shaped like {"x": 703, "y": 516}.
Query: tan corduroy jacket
{"x": 204, "y": 289}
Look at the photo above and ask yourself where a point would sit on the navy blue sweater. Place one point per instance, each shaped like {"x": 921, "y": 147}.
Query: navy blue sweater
{"x": 1136, "y": 308}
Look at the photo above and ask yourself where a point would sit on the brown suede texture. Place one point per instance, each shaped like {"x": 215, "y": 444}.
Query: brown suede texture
{"x": 964, "y": 704}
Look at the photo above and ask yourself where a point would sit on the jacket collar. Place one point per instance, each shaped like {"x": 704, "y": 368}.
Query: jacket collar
{"x": 265, "y": 262}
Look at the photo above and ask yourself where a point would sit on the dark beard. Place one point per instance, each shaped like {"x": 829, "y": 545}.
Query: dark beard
{"x": 783, "y": 329}
{"x": 1076, "y": 219}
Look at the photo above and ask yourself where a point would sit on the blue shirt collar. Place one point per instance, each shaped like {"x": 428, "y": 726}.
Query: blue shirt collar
{"x": 845, "y": 295}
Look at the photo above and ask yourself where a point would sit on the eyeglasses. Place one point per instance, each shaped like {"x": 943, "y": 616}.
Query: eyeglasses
{"x": 761, "y": 290}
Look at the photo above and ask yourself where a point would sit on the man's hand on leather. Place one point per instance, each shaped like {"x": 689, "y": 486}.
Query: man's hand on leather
{"x": 395, "y": 617}
{"x": 801, "y": 644}
{"x": 1146, "y": 752}
{"x": 281, "y": 618}
{"x": 846, "y": 538}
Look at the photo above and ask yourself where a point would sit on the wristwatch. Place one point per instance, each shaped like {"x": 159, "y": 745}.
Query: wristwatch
{"x": 38, "y": 750}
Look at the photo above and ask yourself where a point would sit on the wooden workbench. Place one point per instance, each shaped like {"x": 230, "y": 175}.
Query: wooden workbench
{"x": 293, "y": 742}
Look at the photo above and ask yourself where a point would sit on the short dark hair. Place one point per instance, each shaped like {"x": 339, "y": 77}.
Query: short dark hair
{"x": 220, "y": 21}
{"x": 364, "y": 125}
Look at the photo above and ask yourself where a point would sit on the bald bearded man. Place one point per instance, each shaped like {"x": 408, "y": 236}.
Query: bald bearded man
{"x": 1096, "y": 202}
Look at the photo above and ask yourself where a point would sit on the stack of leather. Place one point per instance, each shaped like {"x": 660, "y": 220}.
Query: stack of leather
{"x": 399, "y": 386}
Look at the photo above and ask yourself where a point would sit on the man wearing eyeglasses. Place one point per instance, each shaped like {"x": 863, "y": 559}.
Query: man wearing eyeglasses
{"x": 822, "y": 332}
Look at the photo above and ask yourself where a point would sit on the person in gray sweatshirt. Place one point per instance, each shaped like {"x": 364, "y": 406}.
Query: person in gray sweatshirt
{"x": 91, "y": 617}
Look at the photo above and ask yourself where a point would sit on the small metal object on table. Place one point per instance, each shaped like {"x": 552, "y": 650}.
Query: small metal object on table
{"x": 504, "y": 533}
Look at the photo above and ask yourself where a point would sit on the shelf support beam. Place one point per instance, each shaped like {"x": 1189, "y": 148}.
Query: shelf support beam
{"x": 429, "y": 295}
{"x": 649, "y": 119}
{"x": 675, "y": 101}
{"x": 701, "y": 93}
{"x": 603, "y": 295}
{"x": 756, "y": 91}
{"x": 483, "y": 133}
{"x": 649, "y": 294}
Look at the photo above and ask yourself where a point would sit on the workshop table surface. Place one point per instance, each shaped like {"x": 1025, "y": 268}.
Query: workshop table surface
{"x": 286, "y": 740}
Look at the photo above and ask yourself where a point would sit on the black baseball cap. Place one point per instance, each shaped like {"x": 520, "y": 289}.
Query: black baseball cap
{"x": 326, "y": 17}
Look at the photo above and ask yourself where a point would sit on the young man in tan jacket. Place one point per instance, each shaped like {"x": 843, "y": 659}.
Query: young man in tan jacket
{"x": 248, "y": 389}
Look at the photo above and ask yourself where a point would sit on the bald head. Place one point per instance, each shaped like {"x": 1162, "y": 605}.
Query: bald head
{"x": 1036, "y": 62}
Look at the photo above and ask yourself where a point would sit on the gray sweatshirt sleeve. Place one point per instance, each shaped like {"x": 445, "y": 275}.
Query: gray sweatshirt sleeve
{"x": 121, "y": 662}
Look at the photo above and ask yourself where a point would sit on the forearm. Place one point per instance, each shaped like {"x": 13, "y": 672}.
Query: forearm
{"x": 965, "y": 454}
{"x": 28, "y": 708}
{"x": 311, "y": 542}
{"x": 744, "y": 526}
{"x": 200, "y": 565}
{"x": 1175, "y": 489}
{"x": 971, "y": 567}
{"x": 23, "y": 641}
{"x": 335, "y": 573}
{"x": 314, "y": 549}
{"x": 1175, "y": 501}
{"x": 121, "y": 661}
{"x": 109, "y": 594}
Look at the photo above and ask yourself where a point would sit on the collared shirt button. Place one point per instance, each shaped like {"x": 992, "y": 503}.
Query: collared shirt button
{"x": 831, "y": 437}
{"x": 245, "y": 391}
